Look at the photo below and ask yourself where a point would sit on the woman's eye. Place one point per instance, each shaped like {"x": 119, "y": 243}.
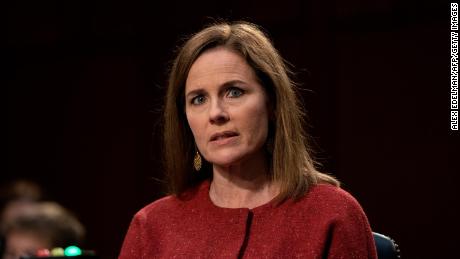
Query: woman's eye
{"x": 198, "y": 100}
{"x": 234, "y": 92}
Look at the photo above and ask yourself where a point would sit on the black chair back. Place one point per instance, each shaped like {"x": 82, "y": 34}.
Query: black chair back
{"x": 386, "y": 247}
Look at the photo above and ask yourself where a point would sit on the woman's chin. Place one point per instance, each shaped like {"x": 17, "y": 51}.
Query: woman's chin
{"x": 229, "y": 158}
{"x": 226, "y": 160}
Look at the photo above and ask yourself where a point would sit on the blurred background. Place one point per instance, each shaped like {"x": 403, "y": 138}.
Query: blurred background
{"x": 85, "y": 85}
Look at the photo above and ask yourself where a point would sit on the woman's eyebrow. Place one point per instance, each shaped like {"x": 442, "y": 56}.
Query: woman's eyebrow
{"x": 195, "y": 92}
{"x": 233, "y": 82}
{"x": 227, "y": 84}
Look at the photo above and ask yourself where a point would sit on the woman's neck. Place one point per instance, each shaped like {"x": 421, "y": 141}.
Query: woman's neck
{"x": 244, "y": 185}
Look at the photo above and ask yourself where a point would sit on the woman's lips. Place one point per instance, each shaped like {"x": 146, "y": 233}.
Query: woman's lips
{"x": 222, "y": 138}
{"x": 222, "y": 135}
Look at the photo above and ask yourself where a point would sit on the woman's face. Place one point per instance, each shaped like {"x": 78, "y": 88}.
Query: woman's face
{"x": 226, "y": 107}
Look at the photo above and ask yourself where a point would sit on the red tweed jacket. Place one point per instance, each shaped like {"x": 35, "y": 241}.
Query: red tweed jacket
{"x": 326, "y": 223}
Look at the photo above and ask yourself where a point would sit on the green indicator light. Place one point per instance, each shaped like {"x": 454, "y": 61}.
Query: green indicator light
{"x": 72, "y": 251}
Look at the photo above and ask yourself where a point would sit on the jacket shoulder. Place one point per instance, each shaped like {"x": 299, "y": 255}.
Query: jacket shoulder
{"x": 333, "y": 199}
{"x": 164, "y": 205}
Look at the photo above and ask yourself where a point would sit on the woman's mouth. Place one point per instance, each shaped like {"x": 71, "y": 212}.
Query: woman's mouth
{"x": 223, "y": 137}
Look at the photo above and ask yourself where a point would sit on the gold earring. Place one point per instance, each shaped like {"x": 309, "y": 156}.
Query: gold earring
{"x": 197, "y": 161}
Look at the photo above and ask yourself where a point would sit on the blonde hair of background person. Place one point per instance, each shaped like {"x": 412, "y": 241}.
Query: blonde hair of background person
{"x": 41, "y": 225}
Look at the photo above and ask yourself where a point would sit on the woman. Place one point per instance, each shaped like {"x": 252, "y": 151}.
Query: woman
{"x": 242, "y": 181}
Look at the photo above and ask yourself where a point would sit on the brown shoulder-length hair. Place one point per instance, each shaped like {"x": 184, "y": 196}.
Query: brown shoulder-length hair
{"x": 292, "y": 166}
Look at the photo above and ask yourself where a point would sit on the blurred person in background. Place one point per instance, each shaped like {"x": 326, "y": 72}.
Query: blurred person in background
{"x": 15, "y": 197}
{"x": 43, "y": 225}
{"x": 29, "y": 224}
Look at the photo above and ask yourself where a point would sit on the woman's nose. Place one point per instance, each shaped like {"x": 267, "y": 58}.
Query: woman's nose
{"x": 218, "y": 113}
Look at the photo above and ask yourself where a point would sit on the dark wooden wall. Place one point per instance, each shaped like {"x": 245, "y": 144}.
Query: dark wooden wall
{"x": 85, "y": 83}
